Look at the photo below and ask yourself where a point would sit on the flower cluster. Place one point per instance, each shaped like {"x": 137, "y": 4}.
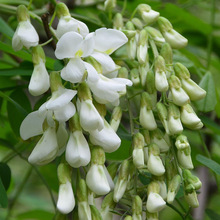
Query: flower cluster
{"x": 73, "y": 123}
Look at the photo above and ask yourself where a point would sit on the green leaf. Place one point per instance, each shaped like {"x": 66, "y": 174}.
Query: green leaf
{"x": 5, "y": 28}
{"x": 210, "y": 124}
{"x": 35, "y": 215}
{"x": 211, "y": 164}
{"x": 5, "y": 175}
{"x": 3, "y": 195}
{"x": 212, "y": 215}
{"x": 6, "y": 82}
{"x": 16, "y": 116}
{"x": 122, "y": 153}
{"x": 209, "y": 102}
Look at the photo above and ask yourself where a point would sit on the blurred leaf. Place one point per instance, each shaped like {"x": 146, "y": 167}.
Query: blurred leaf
{"x": 209, "y": 163}
{"x": 5, "y": 28}
{"x": 145, "y": 178}
{"x": 122, "y": 153}
{"x": 35, "y": 215}
{"x": 212, "y": 215}
{"x": 16, "y": 71}
{"x": 3, "y": 195}
{"x": 6, "y": 143}
{"x": 209, "y": 102}
{"x": 5, "y": 175}
{"x": 210, "y": 124}
{"x": 24, "y": 55}
{"x": 6, "y": 82}
{"x": 16, "y": 116}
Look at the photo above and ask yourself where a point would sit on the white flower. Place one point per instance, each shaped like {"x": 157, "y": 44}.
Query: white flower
{"x": 25, "y": 35}
{"x": 105, "y": 138}
{"x": 155, "y": 165}
{"x": 175, "y": 125}
{"x": 138, "y": 158}
{"x": 163, "y": 145}
{"x": 184, "y": 159}
{"x": 107, "y": 90}
{"x": 90, "y": 118}
{"x": 179, "y": 96}
{"x": 46, "y": 149}
{"x": 163, "y": 188}
{"x": 84, "y": 211}
{"x": 40, "y": 81}
{"x": 77, "y": 150}
{"x": 119, "y": 189}
{"x": 96, "y": 180}
{"x": 67, "y": 24}
{"x": 62, "y": 137}
{"x": 155, "y": 203}
{"x": 147, "y": 118}
{"x": 66, "y": 200}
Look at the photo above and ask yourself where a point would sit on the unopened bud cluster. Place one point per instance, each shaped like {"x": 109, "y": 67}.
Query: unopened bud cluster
{"x": 73, "y": 123}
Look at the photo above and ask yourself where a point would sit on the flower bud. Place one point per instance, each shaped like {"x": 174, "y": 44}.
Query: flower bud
{"x": 163, "y": 115}
{"x": 109, "y": 5}
{"x": 155, "y": 165}
{"x": 175, "y": 39}
{"x": 192, "y": 200}
{"x": 184, "y": 158}
{"x": 118, "y": 21}
{"x": 156, "y": 36}
{"x": 137, "y": 23}
{"x": 137, "y": 208}
{"x": 95, "y": 213}
{"x": 157, "y": 137}
{"x": 25, "y": 34}
{"x": 167, "y": 53}
{"x": 116, "y": 118}
{"x": 62, "y": 10}
{"x": 150, "y": 87}
{"x": 181, "y": 142}
{"x": 108, "y": 205}
{"x": 135, "y": 77}
{"x": 84, "y": 211}
{"x": 143, "y": 69}
{"x": 174, "y": 123}
{"x": 171, "y": 170}
{"x": 191, "y": 182}
{"x": 146, "y": 114}
{"x": 122, "y": 181}
{"x": 161, "y": 82}
{"x": 179, "y": 96}
{"x": 189, "y": 117}
{"x": 152, "y": 216}
{"x": 138, "y": 153}
{"x": 128, "y": 217}
{"x": 66, "y": 200}
{"x": 147, "y": 14}
{"x": 173, "y": 188}
{"x": 142, "y": 48}
{"x": 155, "y": 202}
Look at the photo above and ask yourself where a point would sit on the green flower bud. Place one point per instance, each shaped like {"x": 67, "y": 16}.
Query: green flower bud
{"x": 130, "y": 34}
{"x": 38, "y": 55}
{"x": 118, "y": 21}
{"x": 181, "y": 71}
{"x": 138, "y": 153}
{"x": 146, "y": 135}
{"x": 130, "y": 26}
{"x": 181, "y": 142}
{"x": 95, "y": 213}
{"x": 173, "y": 188}
{"x": 116, "y": 118}
{"x": 128, "y": 217}
{"x": 156, "y": 36}
{"x": 101, "y": 108}
{"x": 192, "y": 200}
{"x": 167, "y": 53}
{"x": 84, "y": 92}
{"x": 184, "y": 158}
{"x": 135, "y": 77}
{"x": 123, "y": 73}
{"x": 62, "y": 10}
{"x": 152, "y": 216}
{"x": 164, "y": 24}
{"x": 138, "y": 23}
{"x": 136, "y": 208}
{"x": 94, "y": 63}
{"x": 74, "y": 123}
{"x": 82, "y": 193}
{"x": 109, "y": 5}
{"x": 163, "y": 115}
{"x": 112, "y": 169}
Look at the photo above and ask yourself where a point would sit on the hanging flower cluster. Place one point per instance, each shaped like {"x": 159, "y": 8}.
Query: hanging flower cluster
{"x": 73, "y": 125}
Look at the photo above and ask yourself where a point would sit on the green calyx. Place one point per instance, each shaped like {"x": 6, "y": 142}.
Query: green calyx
{"x": 38, "y": 55}
{"x": 181, "y": 71}
{"x": 63, "y": 173}
{"x": 137, "y": 205}
{"x": 118, "y": 21}
{"x": 74, "y": 123}
{"x": 146, "y": 101}
{"x": 153, "y": 187}
{"x": 164, "y": 24}
{"x": 159, "y": 65}
{"x": 150, "y": 82}
{"x": 174, "y": 111}
{"x": 138, "y": 141}
{"x": 98, "y": 156}
{"x": 84, "y": 92}
{"x": 146, "y": 135}
{"x": 55, "y": 81}
{"x": 82, "y": 193}
{"x": 162, "y": 111}
{"x": 22, "y": 13}
{"x": 62, "y": 10}
{"x": 153, "y": 149}
{"x": 167, "y": 53}
{"x": 174, "y": 82}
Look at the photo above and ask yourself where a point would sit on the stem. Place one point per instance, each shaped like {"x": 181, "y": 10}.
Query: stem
{"x": 130, "y": 116}
{"x": 30, "y": 3}
{"x": 133, "y": 14}
{"x": 18, "y": 192}
{"x": 210, "y": 36}
{"x": 176, "y": 210}
{"x": 154, "y": 48}
{"x": 45, "y": 43}
{"x": 124, "y": 7}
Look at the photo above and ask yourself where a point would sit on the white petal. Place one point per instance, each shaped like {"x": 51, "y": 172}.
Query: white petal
{"x": 84, "y": 212}
{"x": 179, "y": 96}
{"x": 88, "y": 45}
{"x": 77, "y": 150}
{"x": 150, "y": 16}
{"x": 96, "y": 180}
{"x": 90, "y": 119}
{"x": 62, "y": 137}
{"x": 119, "y": 189}
{"x": 105, "y": 138}
{"x": 147, "y": 119}
{"x": 92, "y": 73}
{"x": 161, "y": 82}
{"x": 46, "y": 149}
{"x": 155, "y": 165}
{"x": 82, "y": 28}
{"x": 66, "y": 200}
{"x": 60, "y": 98}
{"x": 184, "y": 160}
{"x": 39, "y": 82}
{"x": 175, "y": 125}
{"x": 138, "y": 158}
{"x": 109, "y": 40}
{"x": 123, "y": 81}
{"x": 65, "y": 113}
{"x": 68, "y": 45}
{"x": 32, "y": 125}
{"x": 27, "y": 34}
{"x": 155, "y": 203}
{"x": 73, "y": 71}
{"x": 16, "y": 41}
{"x": 109, "y": 178}
{"x": 108, "y": 65}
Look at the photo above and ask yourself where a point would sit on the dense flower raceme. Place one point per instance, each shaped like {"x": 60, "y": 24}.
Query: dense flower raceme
{"x": 74, "y": 121}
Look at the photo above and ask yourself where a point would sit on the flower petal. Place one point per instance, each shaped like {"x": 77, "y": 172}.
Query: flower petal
{"x": 109, "y": 40}
{"x": 73, "y": 71}
{"x": 68, "y": 45}
{"x": 88, "y": 45}
{"x": 92, "y": 73}
{"x": 65, "y": 113}
{"x": 32, "y": 125}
